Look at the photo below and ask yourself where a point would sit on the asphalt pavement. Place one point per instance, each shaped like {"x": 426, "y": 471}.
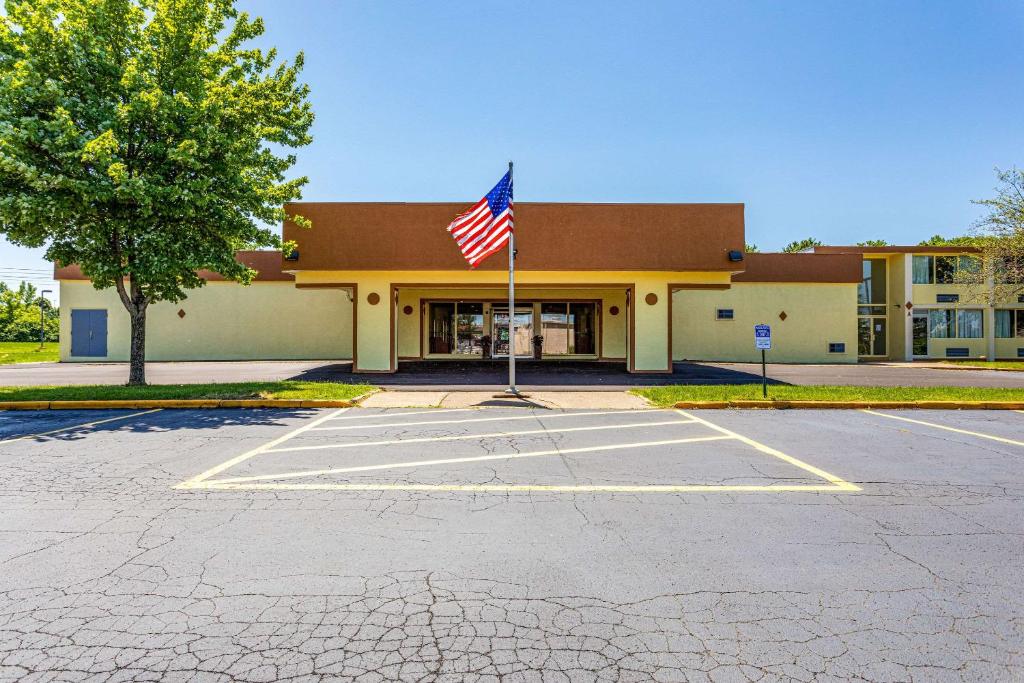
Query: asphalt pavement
{"x": 512, "y": 544}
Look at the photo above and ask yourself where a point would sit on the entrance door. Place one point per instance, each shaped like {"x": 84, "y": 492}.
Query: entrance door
{"x": 524, "y": 331}
{"x": 871, "y": 342}
{"x": 88, "y": 332}
{"x": 920, "y": 332}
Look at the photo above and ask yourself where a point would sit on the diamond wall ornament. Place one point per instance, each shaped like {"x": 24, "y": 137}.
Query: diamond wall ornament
{"x": 181, "y": 312}
{"x": 782, "y": 316}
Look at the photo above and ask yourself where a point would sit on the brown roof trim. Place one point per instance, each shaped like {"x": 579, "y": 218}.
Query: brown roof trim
{"x": 802, "y": 267}
{"x": 919, "y": 249}
{"x": 267, "y": 264}
{"x": 549, "y": 236}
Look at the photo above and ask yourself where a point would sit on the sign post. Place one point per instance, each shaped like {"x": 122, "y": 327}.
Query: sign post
{"x": 763, "y": 342}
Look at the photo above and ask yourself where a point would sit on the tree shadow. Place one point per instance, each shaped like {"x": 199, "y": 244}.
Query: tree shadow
{"x": 75, "y": 425}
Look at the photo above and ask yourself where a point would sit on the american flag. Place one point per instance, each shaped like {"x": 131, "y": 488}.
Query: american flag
{"x": 487, "y": 225}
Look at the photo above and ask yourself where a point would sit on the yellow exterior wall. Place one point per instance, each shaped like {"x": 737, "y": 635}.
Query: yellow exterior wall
{"x": 978, "y": 348}
{"x": 223, "y": 321}
{"x": 1007, "y": 348}
{"x": 374, "y": 321}
{"x": 816, "y": 314}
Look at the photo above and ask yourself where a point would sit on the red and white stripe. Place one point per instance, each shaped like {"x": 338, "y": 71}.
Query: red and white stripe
{"x": 479, "y": 233}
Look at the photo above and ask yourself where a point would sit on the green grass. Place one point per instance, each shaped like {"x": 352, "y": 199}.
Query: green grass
{"x": 104, "y": 392}
{"x": 666, "y": 396}
{"x": 27, "y": 352}
{"x": 989, "y": 365}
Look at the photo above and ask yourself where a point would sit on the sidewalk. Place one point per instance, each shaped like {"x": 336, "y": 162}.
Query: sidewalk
{"x": 556, "y": 400}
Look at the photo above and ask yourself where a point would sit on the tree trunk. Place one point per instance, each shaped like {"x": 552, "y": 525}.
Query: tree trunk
{"x": 137, "y": 357}
{"x": 135, "y": 302}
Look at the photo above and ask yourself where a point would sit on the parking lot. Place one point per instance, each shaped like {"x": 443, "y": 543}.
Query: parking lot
{"x": 513, "y": 543}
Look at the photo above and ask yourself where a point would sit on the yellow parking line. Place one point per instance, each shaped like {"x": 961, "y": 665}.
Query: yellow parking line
{"x": 469, "y": 437}
{"x": 478, "y": 419}
{"x": 478, "y": 458}
{"x": 79, "y": 426}
{"x": 948, "y": 429}
{"x": 843, "y": 484}
{"x": 191, "y": 483}
{"x": 540, "y": 488}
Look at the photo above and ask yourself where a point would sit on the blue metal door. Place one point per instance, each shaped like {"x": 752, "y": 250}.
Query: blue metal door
{"x": 88, "y": 332}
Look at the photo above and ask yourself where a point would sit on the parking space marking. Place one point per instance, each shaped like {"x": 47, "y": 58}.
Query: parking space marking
{"x": 93, "y": 423}
{"x": 273, "y": 481}
{"x": 464, "y": 437}
{"x": 947, "y": 428}
{"x": 477, "y": 419}
{"x": 199, "y": 478}
{"x": 474, "y": 458}
{"x": 833, "y": 479}
{"x": 537, "y": 488}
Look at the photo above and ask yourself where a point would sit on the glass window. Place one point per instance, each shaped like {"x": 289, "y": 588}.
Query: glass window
{"x": 554, "y": 327}
{"x": 582, "y": 319}
{"x": 968, "y": 323}
{"x": 469, "y": 323}
{"x": 923, "y": 267}
{"x": 941, "y": 323}
{"x": 872, "y": 286}
{"x": 568, "y": 328}
{"x": 441, "y": 330}
{"x": 945, "y": 269}
{"x": 970, "y": 264}
{"x": 1004, "y": 324}
{"x": 724, "y": 314}
{"x": 1020, "y": 324}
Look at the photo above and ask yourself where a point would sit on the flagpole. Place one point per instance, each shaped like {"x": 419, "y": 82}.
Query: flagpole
{"x": 511, "y": 303}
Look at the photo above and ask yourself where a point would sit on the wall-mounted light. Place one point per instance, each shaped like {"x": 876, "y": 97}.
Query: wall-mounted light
{"x": 735, "y": 256}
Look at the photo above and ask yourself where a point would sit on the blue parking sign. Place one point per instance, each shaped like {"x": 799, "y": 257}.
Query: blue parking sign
{"x": 762, "y": 337}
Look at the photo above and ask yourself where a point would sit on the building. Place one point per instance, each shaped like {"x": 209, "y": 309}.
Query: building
{"x": 639, "y": 284}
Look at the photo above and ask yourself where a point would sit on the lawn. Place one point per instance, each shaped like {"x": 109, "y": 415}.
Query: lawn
{"x": 324, "y": 391}
{"x": 27, "y": 352}
{"x": 667, "y": 396}
{"x": 989, "y": 365}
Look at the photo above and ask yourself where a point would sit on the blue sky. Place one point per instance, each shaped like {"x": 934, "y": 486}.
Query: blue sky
{"x": 838, "y": 120}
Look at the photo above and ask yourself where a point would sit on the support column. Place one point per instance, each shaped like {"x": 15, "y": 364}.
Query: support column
{"x": 907, "y": 313}
{"x": 649, "y": 334}
{"x": 374, "y": 321}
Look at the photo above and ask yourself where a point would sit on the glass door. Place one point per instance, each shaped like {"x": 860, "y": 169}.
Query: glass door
{"x": 871, "y": 338}
{"x": 920, "y": 338}
{"x": 524, "y": 331}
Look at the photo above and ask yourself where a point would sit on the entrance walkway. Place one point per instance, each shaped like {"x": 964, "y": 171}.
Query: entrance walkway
{"x": 555, "y": 400}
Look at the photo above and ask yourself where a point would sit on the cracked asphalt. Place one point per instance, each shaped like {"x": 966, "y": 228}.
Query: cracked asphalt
{"x": 511, "y": 544}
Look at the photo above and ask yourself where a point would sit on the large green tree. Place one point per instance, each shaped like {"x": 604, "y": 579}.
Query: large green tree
{"x": 998, "y": 238}
{"x": 145, "y": 140}
{"x": 20, "y": 314}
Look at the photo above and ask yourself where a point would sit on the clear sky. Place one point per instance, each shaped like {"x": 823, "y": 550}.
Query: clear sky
{"x": 844, "y": 121}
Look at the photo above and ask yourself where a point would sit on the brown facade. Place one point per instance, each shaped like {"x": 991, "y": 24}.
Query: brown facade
{"x": 816, "y": 267}
{"x": 398, "y": 236}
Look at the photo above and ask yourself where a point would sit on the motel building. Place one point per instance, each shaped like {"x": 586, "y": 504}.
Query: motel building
{"x": 637, "y": 285}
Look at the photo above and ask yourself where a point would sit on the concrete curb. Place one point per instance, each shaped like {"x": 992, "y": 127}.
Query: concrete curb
{"x": 857, "y": 405}
{"x": 953, "y": 366}
{"x": 176, "y": 403}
